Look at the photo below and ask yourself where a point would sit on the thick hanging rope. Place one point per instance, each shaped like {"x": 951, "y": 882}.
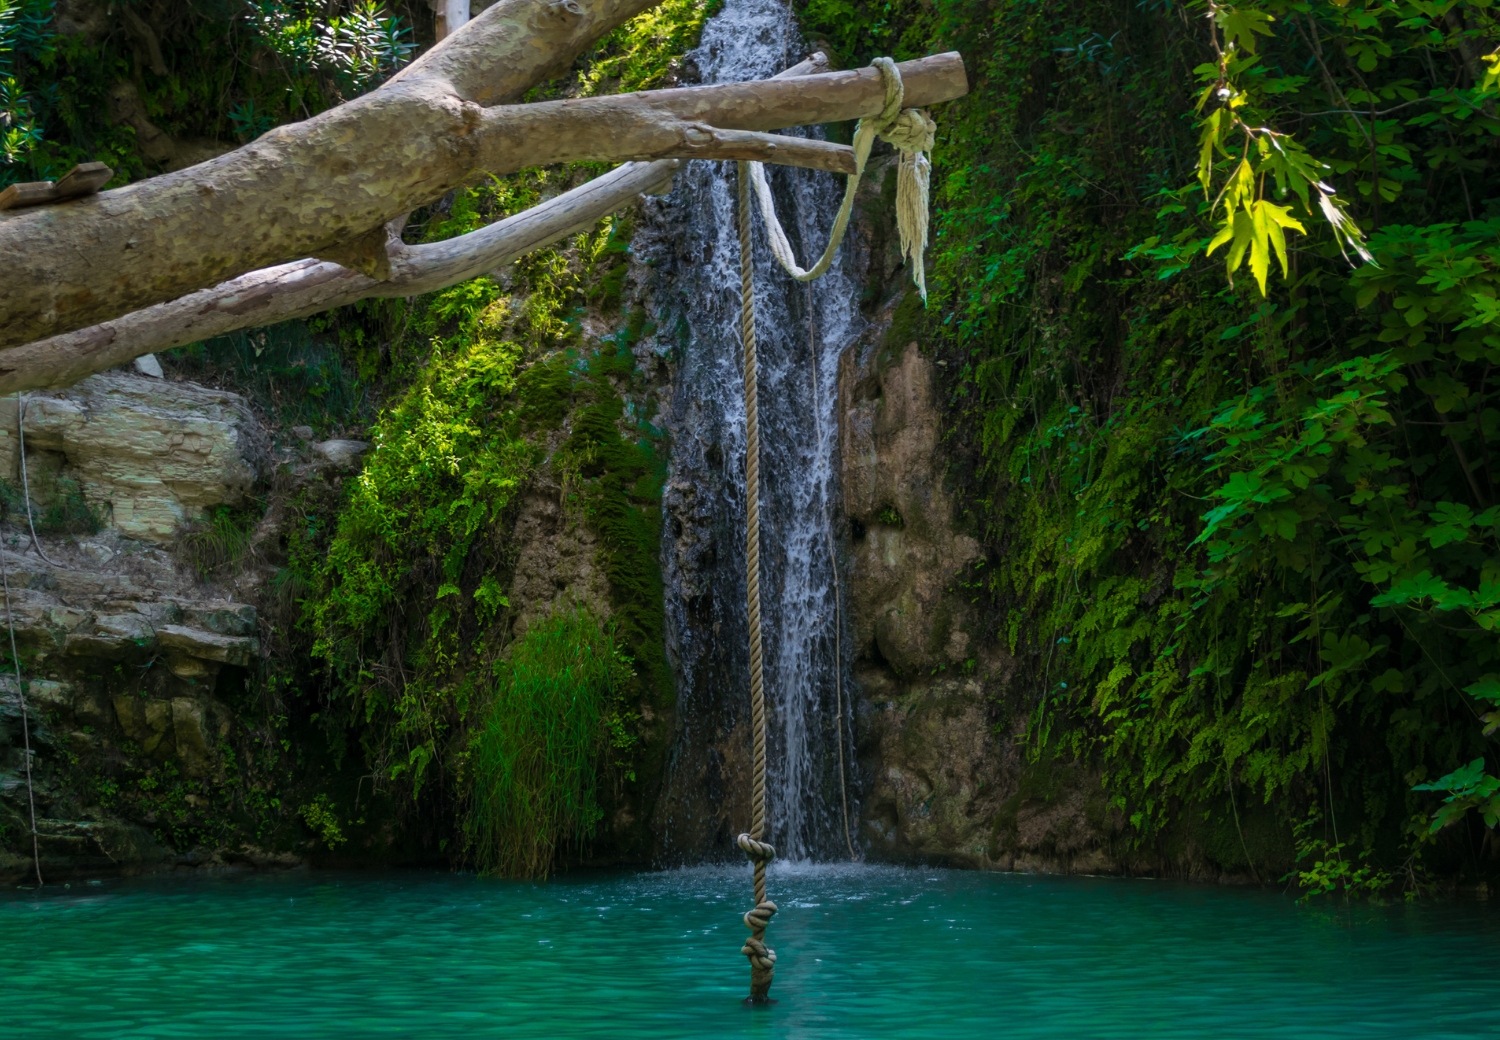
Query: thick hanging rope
{"x": 911, "y": 132}
{"x": 753, "y": 845}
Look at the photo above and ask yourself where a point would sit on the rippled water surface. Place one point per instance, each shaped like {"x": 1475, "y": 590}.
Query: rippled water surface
{"x": 864, "y": 953}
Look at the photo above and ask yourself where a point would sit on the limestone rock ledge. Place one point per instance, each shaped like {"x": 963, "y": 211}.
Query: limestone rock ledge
{"x": 150, "y": 453}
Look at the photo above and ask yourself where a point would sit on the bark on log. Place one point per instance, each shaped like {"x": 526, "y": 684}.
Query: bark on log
{"x": 316, "y": 187}
{"x": 345, "y": 171}
{"x": 307, "y": 287}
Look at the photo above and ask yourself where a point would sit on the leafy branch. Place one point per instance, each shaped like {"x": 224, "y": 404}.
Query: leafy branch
{"x": 1229, "y": 137}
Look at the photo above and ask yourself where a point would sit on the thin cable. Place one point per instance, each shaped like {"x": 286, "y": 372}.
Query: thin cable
{"x": 833, "y": 564}
{"x": 25, "y": 488}
{"x": 36, "y": 855}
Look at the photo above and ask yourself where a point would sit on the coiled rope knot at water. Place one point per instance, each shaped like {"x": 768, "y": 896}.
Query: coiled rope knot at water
{"x": 911, "y": 132}
{"x": 762, "y": 957}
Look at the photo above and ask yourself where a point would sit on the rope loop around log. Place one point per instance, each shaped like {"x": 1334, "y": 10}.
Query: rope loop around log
{"x": 911, "y": 132}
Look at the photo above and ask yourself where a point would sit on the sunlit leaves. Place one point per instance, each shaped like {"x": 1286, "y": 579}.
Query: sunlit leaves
{"x": 356, "y": 48}
{"x": 1257, "y": 228}
{"x": 1240, "y": 25}
{"x": 1231, "y": 133}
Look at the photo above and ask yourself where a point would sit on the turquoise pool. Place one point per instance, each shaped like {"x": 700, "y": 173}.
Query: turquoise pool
{"x": 865, "y": 952}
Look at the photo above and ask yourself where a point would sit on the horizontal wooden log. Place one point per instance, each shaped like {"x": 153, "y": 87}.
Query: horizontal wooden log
{"x": 307, "y": 287}
{"x": 296, "y": 189}
{"x": 313, "y": 187}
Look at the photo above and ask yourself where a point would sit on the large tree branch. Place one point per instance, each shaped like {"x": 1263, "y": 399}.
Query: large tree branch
{"x": 314, "y": 188}
{"x": 307, "y": 287}
{"x": 305, "y": 186}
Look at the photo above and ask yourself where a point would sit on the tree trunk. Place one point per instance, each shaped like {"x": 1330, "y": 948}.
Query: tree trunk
{"x": 326, "y": 186}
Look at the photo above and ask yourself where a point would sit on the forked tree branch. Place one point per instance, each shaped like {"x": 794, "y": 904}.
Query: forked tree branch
{"x": 325, "y": 186}
{"x": 307, "y": 287}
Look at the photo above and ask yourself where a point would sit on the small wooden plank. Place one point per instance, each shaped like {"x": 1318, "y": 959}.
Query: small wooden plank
{"x": 30, "y": 193}
{"x": 83, "y": 179}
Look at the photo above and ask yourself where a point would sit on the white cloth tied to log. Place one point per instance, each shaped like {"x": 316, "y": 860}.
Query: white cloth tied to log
{"x": 911, "y": 132}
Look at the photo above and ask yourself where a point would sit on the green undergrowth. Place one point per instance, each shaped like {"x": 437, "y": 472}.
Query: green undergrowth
{"x": 544, "y": 732}
{"x": 1242, "y": 547}
{"x": 293, "y": 375}
{"x": 501, "y": 391}
{"x": 219, "y": 540}
{"x": 389, "y": 618}
{"x": 145, "y": 87}
{"x": 410, "y": 589}
{"x": 58, "y": 505}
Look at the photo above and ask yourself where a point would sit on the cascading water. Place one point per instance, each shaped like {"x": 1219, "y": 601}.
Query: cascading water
{"x": 801, "y": 333}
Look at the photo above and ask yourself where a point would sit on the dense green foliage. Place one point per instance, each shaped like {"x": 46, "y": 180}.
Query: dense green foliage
{"x": 535, "y": 757}
{"x": 146, "y": 86}
{"x": 391, "y": 626}
{"x": 409, "y": 592}
{"x": 1242, "y": 545}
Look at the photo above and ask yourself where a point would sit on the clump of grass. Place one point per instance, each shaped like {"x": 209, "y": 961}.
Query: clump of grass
{"x": 536, "y": 756}
{"x": 294, "y": 375}
{"x": 218, "y": 541}
{"x": 69, "y": 512}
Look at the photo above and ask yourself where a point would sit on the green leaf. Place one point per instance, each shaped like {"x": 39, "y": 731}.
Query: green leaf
{"x": 1486, "y": 689}
{"x": 1240, "y": 26}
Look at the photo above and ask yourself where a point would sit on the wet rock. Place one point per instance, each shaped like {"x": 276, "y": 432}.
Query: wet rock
{"x": 948, "y": 776}
{"x": 557, "y": 562}
{"x": 198, "y": 727}
{"x": 70, "y": 848}
{"x": 147, "y": 721}
{"x": 906, "y": 552}
{"x": 208, "y": 646}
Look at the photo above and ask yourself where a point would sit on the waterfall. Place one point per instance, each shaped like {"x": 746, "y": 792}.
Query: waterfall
{"x": 707, "y": 797}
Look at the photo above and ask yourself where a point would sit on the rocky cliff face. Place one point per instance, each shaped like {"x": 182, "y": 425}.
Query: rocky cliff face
{"x": 123, "y": 653}
{"x": 947, "y": 777}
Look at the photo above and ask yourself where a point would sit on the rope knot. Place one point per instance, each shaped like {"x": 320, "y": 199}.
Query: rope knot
{"x": 757, "y": 919}
{"x": 911, "y": 132}
{"x": 756, "y": 851}
{"x": 761, "y": 956}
